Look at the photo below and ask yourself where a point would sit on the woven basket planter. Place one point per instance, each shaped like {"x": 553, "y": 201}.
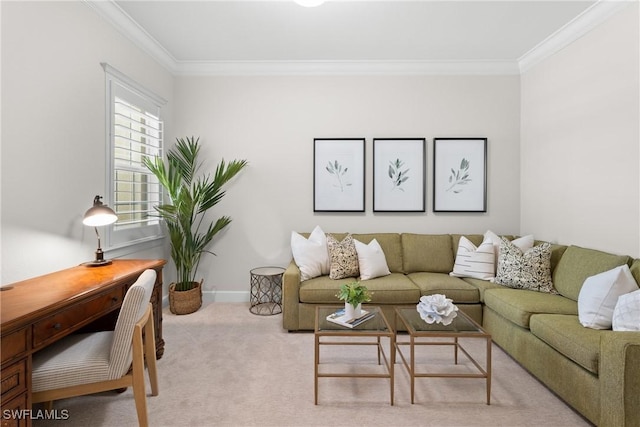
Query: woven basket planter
{"x": 185, "y": 302}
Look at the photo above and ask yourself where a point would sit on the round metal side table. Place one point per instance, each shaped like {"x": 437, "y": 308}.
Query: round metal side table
{"x": 266, "y": 290}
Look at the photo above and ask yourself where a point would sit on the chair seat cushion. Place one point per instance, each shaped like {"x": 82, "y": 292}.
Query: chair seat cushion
{"x": 76, "y": 359}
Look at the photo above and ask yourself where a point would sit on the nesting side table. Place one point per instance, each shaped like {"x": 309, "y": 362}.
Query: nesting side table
{"x": 266, "y": 290}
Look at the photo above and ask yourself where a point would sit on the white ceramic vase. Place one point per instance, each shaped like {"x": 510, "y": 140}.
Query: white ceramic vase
{"x": 351, "y": 312}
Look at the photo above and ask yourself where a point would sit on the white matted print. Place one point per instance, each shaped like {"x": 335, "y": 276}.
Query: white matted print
{"x": 460, "y": 175}
{"x": 399, "y": 174}
{"x": 338, "y": 175}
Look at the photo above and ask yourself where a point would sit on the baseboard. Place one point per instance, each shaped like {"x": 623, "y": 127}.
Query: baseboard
{"x": 217, "y": 296}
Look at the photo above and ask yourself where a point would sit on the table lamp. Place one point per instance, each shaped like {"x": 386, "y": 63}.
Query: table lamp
{"x": 98, "y": 215}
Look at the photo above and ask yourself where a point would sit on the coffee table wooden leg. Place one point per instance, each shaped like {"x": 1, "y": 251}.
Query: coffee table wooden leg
{"x": 488, "y": 371}
{"x": 315, "y": 373}
{"x": 392, "y": 357}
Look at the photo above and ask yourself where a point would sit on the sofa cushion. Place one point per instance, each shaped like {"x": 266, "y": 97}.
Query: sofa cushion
{"x": 567, "y": 336}
{"x": 343, "y": 258}
{"x": 599, "y": 295}
{"x": 439, "y": 283}
{"x": 518, "y": 305}
{"x": 579, "y": 263}
{"x": 391, "y": 246}
{"x": 395, "y": 288}
{"x": 530, "y": 269}
{"x": 427, "y": 252}
{"x": 482, "y": 286}
{"x": 371, "y": 260}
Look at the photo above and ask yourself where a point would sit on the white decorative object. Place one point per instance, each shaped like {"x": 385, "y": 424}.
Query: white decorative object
{"x": 437, "y": 308}
{"x": 351, "y": 312}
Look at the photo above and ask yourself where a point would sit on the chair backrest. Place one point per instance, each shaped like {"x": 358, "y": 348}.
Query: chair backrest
{"x": 133, "y": 308}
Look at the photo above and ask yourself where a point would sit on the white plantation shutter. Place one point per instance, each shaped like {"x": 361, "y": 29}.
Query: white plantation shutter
{"x": 135, "y": 131}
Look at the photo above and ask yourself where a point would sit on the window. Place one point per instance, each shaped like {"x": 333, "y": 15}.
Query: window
{"x": 134, "y": 129}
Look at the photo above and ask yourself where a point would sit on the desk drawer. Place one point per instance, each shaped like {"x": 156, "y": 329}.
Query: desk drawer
{"x": 14, "y": 380}
{"x": 14, "y": 344}
{"x": 63, "y": 322}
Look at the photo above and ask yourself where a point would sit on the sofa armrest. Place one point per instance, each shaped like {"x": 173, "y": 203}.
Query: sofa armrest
{"x": 291, "y": 297}
{"x": 619, "y": 379}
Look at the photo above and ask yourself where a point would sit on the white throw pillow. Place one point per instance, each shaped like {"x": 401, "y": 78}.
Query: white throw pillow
{"x": 311, "y": 255}
{"x": 599, "y": 295}
{"x": 371, "y": 260}
{"x": 477, "y": 262}
{"x": 626, "y": 315}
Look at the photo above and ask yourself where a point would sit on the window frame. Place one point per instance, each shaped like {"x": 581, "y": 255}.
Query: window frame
{"x": 118, "y": 84}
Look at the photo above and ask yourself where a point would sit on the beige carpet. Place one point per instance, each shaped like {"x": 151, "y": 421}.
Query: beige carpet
{"x": 224, "y": 366}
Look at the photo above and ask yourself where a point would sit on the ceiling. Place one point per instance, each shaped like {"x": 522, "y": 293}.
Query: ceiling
{"x": 205, "y": 33}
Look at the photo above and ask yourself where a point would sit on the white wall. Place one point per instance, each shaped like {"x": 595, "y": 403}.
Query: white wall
{"x": 271, "y": 121}
{"x": 580, "y": 141}
{"x": 53, "y": 130}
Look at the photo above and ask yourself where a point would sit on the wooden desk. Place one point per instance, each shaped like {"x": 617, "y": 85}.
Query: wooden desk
{"x": 37, "y": 312}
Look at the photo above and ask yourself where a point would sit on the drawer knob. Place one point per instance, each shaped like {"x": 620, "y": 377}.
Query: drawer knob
{"x": 114, "y": 299}
{"x": 57, "y": 326}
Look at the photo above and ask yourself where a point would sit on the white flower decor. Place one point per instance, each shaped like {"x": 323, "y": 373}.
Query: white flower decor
{"x": 437, "y": 308}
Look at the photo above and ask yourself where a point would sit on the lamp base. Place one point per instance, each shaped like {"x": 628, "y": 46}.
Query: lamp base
{"x": 97, "y": 263}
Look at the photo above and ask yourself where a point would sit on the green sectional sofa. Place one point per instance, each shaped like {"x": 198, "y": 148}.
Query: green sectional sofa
{"x": 597, "y": 372}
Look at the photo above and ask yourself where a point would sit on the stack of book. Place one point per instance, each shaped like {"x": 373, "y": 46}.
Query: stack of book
{"x": 340, "y": 318}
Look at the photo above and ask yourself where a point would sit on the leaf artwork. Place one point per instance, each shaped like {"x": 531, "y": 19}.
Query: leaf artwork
{"x": 335, "y": 168}
{"x": 397, "y": 175}
{"x": 460, "y": 177}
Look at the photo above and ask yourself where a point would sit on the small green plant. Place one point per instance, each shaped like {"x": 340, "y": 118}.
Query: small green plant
{"x": 354, "y": 293}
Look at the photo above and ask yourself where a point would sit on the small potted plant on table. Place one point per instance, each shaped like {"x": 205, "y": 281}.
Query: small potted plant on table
{"x": 353, "y": 294}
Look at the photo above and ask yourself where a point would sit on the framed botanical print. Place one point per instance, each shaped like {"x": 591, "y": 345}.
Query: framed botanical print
{"x": 460, "y": 175}
{"x": 399, "y": 174}
{"x": 338, "y": 174}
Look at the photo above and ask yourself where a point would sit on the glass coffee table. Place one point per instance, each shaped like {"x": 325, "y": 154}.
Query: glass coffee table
{"x": 373, "y": 332}
{"x": 422, "y": 333}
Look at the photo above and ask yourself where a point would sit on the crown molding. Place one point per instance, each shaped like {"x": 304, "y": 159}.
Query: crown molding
{"x": 336, "y": 68}
{"x": 127, "y": 26}
{"x": 121, "y": 21}
{"x": 593, "y": 16}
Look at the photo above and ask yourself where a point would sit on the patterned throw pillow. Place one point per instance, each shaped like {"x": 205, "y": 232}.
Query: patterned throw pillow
{"x": 343, "y": 258}
{"x": 525, "y": 270}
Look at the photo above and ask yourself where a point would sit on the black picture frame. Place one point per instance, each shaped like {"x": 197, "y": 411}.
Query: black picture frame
{"x": 339, "y": 174}
{"x": 399, "y": 174}
{"x": 460, "y": 174}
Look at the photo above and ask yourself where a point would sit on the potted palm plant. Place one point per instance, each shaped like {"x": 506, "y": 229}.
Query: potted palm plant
{"x": 353, "y": 294}
{"x": 190, "y": 197}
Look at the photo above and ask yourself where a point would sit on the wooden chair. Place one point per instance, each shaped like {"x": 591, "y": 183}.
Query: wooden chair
{"x": 100, "y": 361}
